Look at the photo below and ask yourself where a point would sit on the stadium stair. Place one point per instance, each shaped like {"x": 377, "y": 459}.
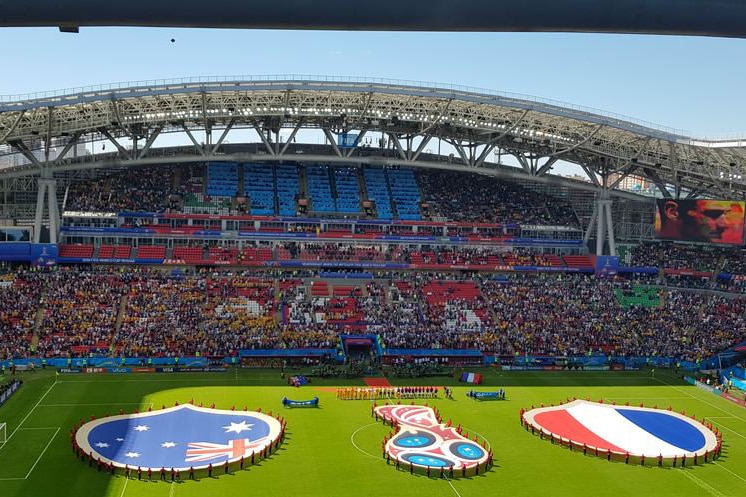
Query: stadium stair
{"x": 38, "y": 321}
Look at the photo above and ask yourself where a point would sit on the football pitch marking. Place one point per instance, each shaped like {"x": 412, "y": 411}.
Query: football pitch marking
{"x": 729, "y": 429}
{"x": 42, "y": 453}
{"x": 731, "y": 472}
{"x": 352, "y": 439}
{"x": 678, "y": 389}
{"x": 703, "y": 485}
{"x": 730, "y": 416}
{"x": 452, "y": 487}
{"x": 124, "y": 488}
{"x": 56, "y": 431}
{"x": 646, "y": 398}
{"x": 165, "y": 380}
{"x": 29, "y": 414}
{"x": 95, "y": 405}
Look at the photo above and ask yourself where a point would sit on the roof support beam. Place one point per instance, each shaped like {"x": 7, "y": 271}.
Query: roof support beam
{"x": 483, "y": 156}
{"x": 546, "y": 167}
{"x": 351, "y": 150}
{"x": 578, "y": 144}
{"x": 48, "y": 136}
{"x": 74, "y": 140}
{"x": 623, "y": 174}
{"x": 122, "y": 151}
{"x": 291, "y": 137}
{"x": 199, "y": 148}
{"x": 260, "y": 131}
{"x": 332, "y": 142}
{"x": 21, "y": 147}
{"x": 425, "y": 140}
{"x": 149, "y": 142}
{"x": 225, "y": 132}
{"x": 12, "y": 127}
{"x": 657, "y": 181}
{"x": 591, "y": 175}
{"x": 397, "y": 145}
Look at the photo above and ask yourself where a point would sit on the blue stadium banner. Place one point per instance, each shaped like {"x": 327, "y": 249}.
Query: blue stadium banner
{"x": 40, "y": 254}
{"x": 607, "y": 265}
{"x": 347, "y": 140}
{"x": 44, "y": 254}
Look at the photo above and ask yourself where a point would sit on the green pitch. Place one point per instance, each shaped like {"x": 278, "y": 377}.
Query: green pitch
{"x": 336, "y": 450}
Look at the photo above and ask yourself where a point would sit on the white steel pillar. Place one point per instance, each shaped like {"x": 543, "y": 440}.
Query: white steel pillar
{"x": 46, "y": 200}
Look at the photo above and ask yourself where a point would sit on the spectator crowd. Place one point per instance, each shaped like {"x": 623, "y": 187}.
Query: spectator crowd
{"x": 83, "y": 312}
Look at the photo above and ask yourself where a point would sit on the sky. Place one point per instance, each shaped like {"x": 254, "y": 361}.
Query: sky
{"x": 694, "y": 84}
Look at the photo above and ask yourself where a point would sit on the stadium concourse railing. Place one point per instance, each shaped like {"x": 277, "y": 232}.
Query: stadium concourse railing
{"x": 99, "y": 364}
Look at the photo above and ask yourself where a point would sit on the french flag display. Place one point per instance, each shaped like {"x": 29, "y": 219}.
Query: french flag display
{"x": 474, "y": 378}
{"x": 633, "y": 431}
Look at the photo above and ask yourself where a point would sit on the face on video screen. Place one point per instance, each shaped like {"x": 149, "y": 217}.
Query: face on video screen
{"x": 711, "y": 221}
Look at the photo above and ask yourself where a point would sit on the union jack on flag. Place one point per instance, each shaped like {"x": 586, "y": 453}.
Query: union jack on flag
{"x": 206, "y": 451}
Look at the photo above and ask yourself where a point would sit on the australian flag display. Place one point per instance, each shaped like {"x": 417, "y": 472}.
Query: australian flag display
{"x": 180, "y": 437}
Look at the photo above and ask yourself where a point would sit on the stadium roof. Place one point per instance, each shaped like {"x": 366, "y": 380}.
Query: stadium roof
{"x": 474, "y": 122}
{"x": 688, "y": 17}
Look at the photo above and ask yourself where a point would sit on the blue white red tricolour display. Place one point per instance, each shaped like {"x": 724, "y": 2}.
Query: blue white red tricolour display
{"x": 636, "y": 431}
{"x": 178, "y": 437}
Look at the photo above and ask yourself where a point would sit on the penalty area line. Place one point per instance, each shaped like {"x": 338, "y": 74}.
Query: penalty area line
{"x": 42, "y": 454}
{"x": 29, "y": 414}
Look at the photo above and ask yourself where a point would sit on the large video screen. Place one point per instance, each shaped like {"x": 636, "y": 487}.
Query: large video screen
{"x": 708, "y": 221}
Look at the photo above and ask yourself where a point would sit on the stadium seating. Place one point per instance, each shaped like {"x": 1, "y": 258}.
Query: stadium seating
{"x": 398, "y": 193}
{"x": 347, "y": 187}
{"x": 378, "y": 192}
{"x": 151, "y": 252}
{"x": 320, "y": 189}
{"x": 190, "y": 255}
{"x": 288, "y": 187}
{"x": 446, "y": 194}
{"x": 122, "y": 251}
{"x": 222, "y": 179}
{"x": 405, "y": 194}
{"x": 76, "y": 251}
{"x": 259, "y": 186}
{"x": 579, "y": 261}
